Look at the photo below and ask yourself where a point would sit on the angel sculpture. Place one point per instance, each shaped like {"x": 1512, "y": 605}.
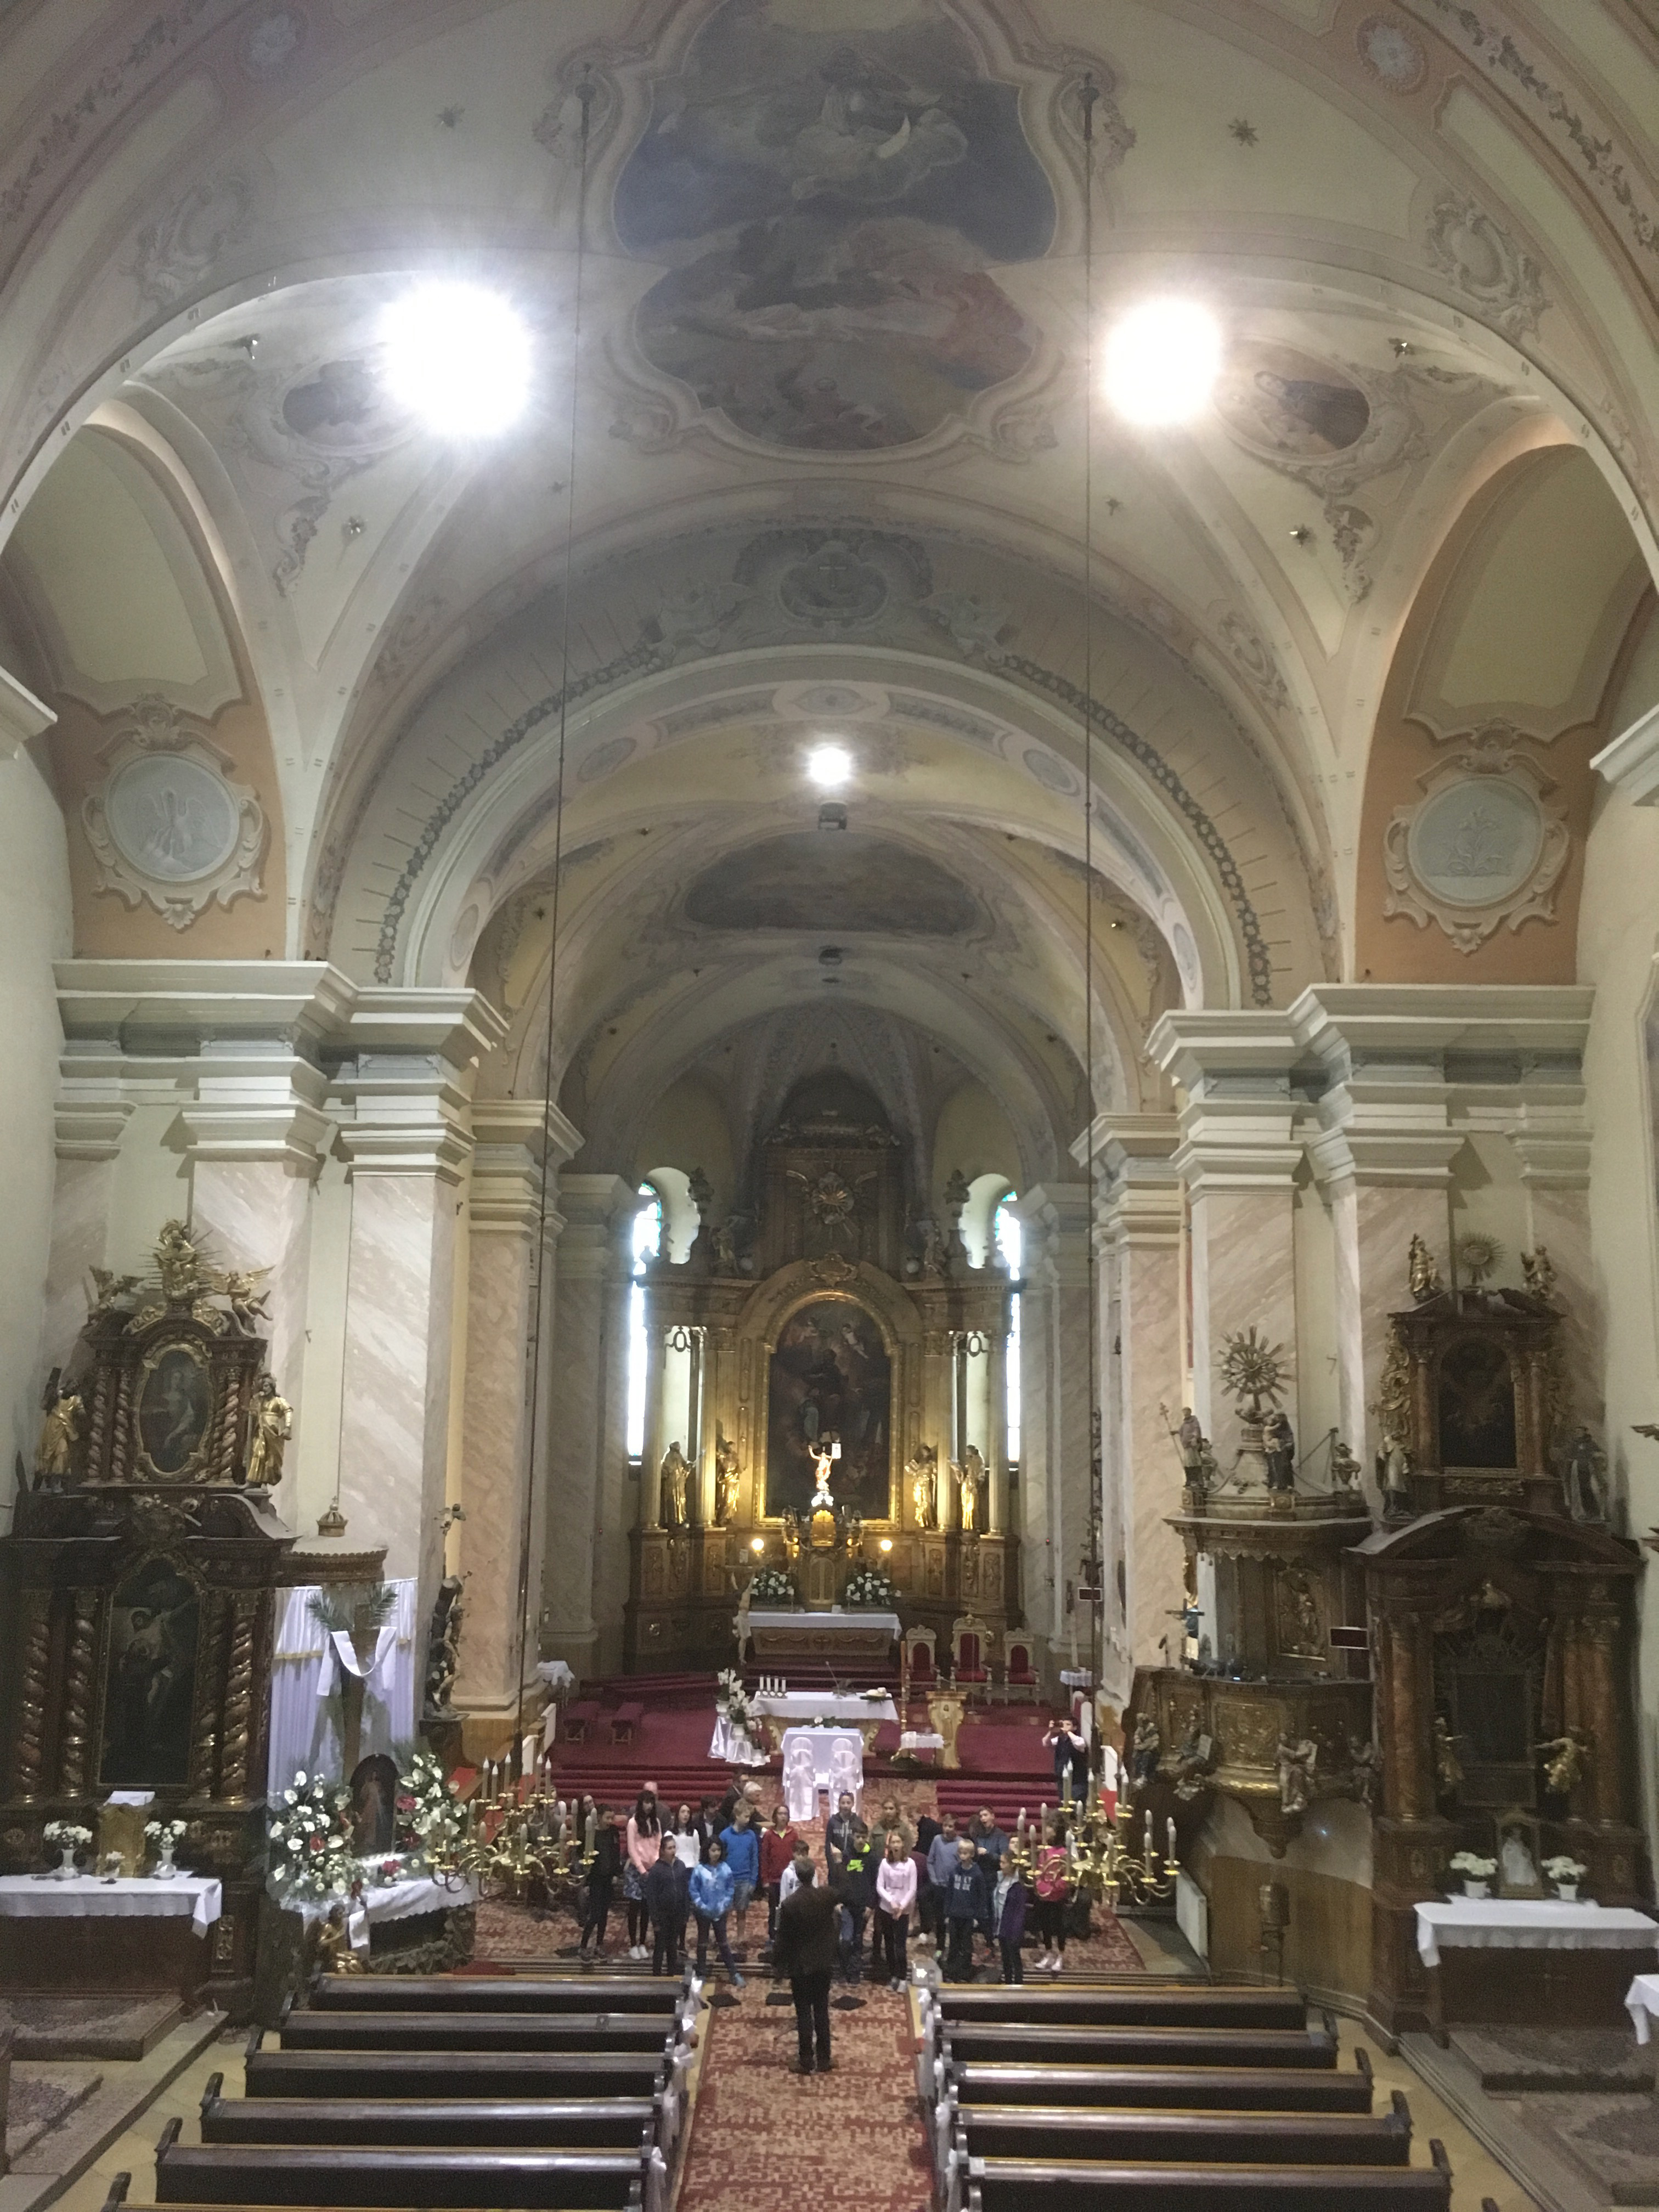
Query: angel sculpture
{"x": 1538, "y": 1273}
{"x": 1422, "y": 1275}
{"x": 109, "y": 1288}
{"x": 1344, "y": 1469}
{"x": 1296, "y": 1759}
{"x": 246, "y": 1291}
{"x": 1566, "y": 1759}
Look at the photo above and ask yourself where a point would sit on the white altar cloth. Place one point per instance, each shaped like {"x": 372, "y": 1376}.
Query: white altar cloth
{"x": 1641, "y": 2000}
{"x": 820, "y": 1759}
{"x": 1529, "y": 1925}
{"x": 84, "y": 1896}
{"x": 732, "y": 1745}
{"x": 394, "y": 1900}
{"x": 801, "y": 1707}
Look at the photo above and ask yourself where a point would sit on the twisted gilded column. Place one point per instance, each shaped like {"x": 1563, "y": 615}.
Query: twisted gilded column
{"x": 72, "y": 1765}
{"x": 32, "y": 1692}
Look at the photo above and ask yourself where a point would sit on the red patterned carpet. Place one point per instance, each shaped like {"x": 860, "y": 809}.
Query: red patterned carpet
{"x": 765, "y": 2138}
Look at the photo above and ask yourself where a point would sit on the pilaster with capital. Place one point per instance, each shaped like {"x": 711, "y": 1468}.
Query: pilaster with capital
{"x": 590, "y": 1508}
{"x": 1139, "y": 1209}
{"x": 1054, "y": 1445}
{"x": 1239, "y": 1153}
{"x": 513, "y": 1232}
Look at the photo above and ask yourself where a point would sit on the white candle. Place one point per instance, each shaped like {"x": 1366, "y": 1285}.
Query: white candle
{"x": 1148, "y": 1848}
{"x": 1171, "y": 1852}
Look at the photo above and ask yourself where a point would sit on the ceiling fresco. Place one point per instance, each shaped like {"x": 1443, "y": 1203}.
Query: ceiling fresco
{"x": 834, "y": 204}
{"x": 846, "y": 882}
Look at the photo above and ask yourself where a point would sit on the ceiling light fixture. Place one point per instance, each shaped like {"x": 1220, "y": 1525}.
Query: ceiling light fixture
{"x": 1162, "y": 361}
{"x": 828, "y": 766}
{"x": 457, "y": 356}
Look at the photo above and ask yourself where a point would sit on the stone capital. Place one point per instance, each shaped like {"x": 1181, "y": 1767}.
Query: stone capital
{"x": 515, "y": 1141}
{"x": 404, "y": 1116}
{"x": 1631, "y": 763}
{"x": 23, "y": 716}
{"x": 1056, "y": 1218}
{"x": 257, "y": 1099}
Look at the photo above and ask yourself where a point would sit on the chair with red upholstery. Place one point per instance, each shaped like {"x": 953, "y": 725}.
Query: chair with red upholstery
{"x": 1019, "y": 1674}
{"x": 920, "y": 1665}
{"x": 970, "y": 1657}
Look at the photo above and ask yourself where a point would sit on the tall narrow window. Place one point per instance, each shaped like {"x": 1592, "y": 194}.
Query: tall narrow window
{"x": 1010, "y": 1242}
{"x": 647, "y": 1240}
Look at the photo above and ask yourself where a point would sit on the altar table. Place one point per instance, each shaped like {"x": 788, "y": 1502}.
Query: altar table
{"x": 392, "y": 1901}
{"x": 1542, "y": 1960}
{"x": 781, "y": 1637}
{"x": 159, "y": 1947}
{"x": 1642, "y": 2000}
{"x": 779, "y": 1711}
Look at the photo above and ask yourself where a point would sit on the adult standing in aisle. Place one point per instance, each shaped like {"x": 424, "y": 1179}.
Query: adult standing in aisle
{"x": 804, "y": 1950}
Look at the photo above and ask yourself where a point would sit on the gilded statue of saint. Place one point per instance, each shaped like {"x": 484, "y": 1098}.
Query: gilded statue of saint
{"x": 923, "y": 1471}
{"x": 1566, "y": 1760}
{"x": 727, "y": 1468}
{"x": 1448, "y": 1766}
{"x": 271, "y": 1428}
{"x": 970, "y": 1479}
{"x": 1422, "y": 1275}
{"x": 60, "y": 1431}
{"x": 675, "y": 1477}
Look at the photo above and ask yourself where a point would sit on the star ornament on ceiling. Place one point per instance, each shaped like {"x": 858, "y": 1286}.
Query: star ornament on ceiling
{"x": 1246, "y": 133}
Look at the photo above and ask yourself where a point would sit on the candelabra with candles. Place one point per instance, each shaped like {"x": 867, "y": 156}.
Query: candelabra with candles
{"x": 514, "y": 1834}
{"x": 1102, "y": 1864}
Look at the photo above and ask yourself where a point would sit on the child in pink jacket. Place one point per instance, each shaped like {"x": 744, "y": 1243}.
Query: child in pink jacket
{"x": 896, "y": 1893}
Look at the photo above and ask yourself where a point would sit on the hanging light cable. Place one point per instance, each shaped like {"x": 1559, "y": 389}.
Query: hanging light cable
{"x": 584, "y": 92}
{"x": 1093, "y": 1575}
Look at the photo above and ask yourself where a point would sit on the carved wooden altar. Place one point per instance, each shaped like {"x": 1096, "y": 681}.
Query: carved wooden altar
{"x": 833, "y": 1261}
{"x": 136, "y": 1587}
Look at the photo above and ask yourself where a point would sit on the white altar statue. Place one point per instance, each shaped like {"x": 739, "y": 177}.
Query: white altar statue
{"x": 800, "y": 1780}
{"x": 847, "y": 1769}
{"x": 828, "y": 1451}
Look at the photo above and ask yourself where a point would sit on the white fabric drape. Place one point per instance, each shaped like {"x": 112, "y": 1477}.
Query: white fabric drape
{"x": 304, "y": 1685}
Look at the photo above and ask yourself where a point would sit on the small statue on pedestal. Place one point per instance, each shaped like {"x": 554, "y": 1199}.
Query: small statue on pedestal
{"x": 727, "y": 1469}
{"x": 1279, "y": 1443}
{"x": 1366, "y": 1761}
{"x": 1296, "y": 1759}
{"x": 1147, "y": 1748}
{"x": 1344, "y": 1469}
{"x": 1422, "y": 1275}
{"x": 1584, "y": 1475}
{"x": 970, "y": 1483}
{"x": 271, "y": 1427}
{"x": 675, "y": 1476}
{"x": 1394, "y": 1473}
{"x": 60, "y": 1432}
{"x": 1538, "y": 1274}
{"x": 1448, "y": 1766}
{"x": 922, "y": 1467}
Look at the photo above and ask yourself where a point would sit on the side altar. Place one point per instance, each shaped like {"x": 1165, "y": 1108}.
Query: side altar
{"x": 847, "y": 1328}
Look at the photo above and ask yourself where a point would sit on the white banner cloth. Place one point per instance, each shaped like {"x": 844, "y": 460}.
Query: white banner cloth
{"x": 1522, "y": 1923}
{"x": 305, "y": 1677}
{"x": 134, "y": 1897}
{"x": 1642, "y": 2000}
{"x": 803, "y": 1706}
{"x": 839, "y": 1620}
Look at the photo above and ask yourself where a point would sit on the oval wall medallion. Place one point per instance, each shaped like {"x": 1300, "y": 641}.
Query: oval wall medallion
{"x": 1483, "y": 845}
{"x": 167, "y": 825}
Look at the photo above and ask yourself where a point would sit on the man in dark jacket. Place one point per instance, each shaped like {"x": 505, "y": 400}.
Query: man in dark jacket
{"x": 803, "y": 1948}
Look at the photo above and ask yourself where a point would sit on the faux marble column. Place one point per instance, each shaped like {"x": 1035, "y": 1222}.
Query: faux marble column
{"x": 91, "y": 1119}
{"x": 1139, "y": 1213}
{"x": 407, "y": 1149}
{"x": 1054, "y": 1446}
{"x": 590, "y": 1508}
{"x": 257, "y": 1133}
{"x": 1553, "y": 1144}
{"x": 503, "y": 1488}
{"x": 996, "y": 1449}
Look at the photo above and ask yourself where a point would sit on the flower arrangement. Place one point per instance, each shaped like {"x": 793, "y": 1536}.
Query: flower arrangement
{"x": 311, "y": 1841}
{"x": 164, "y": 1832}
{"x": 428, "y": 1812}
{"x": 1472, "y": 1865}
{"x": 67, "y": 1836}
{"x": 772, "y": 1586}
{"x": 870, "y": 1586}
{"x": 730, "y": 1696}
{"x": 1567, "y": 1873}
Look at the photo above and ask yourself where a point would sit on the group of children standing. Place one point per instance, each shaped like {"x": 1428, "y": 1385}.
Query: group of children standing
{"x": 711, "y": 1863}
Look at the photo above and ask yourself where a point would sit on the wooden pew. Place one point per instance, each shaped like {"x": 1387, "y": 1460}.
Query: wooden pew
{"x": 1007, "y": 2184}
{"x": 1311, "y": 2047}
{"x": 1207, "y": 2138}
{"x": 1187, "y": 2089}
{"x": 430, "y": 2074}
{"x": 486, "y": 2122}
{"x": 118, "y": 2200}
{"x": 518, "y": 2181}
{"x": 1169, "y": 2005}
{"x": 479, "y": 2032}
{"x": 469, "y": 1993}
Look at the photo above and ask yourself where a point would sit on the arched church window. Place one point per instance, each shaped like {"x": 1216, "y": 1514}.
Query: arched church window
{"x": 1010, "y": 1237}
{"x": 647, "y": 1241}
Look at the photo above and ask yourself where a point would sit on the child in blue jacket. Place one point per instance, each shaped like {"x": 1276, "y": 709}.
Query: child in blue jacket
{"x": 742, "y": 1843}
{"x": 711, "y": 1889}
{"x": 967, "y": 1906}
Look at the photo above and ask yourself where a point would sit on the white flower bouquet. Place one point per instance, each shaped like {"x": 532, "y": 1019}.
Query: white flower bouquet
{"x": 164, "y": 1832}
{"x": 870, "y": 1586}
{"x": 771, "y": 1586}
{"x": 1472, "y": 1866}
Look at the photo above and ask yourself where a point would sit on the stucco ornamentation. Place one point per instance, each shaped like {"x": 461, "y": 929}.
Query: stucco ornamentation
{"x": 167, "y": 825}
{"x": 1502, "y": 281}
{"x": 1482, "y": 847}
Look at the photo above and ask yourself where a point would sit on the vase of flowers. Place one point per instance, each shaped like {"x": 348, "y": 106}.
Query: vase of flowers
{"x": 771, "y": 1586}
{"x": 1476, "y": 1872}
{"x": 166, "y": 1835}
{"x": 870, "y": 1586}
{"x": 71, "y": 1842}
{"x": 1564, "y": 1874}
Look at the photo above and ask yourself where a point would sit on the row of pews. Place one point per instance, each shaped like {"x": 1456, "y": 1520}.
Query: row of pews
{"x": 506, "y": 2091}
{"x": 1150, "y": 2096}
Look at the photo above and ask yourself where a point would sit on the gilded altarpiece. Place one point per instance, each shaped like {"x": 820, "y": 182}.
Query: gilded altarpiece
{"x": 831, "y": 1324}
{"x": 137, "y": 1595}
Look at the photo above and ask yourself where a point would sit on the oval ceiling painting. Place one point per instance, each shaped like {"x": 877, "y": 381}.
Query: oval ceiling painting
{"x": 1287, "y": 406}
{"x": 831, "y": 188}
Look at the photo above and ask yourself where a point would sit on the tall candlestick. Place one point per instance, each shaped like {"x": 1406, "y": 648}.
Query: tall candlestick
{"x": 1171, "y": 1852}
{"x": 1147, "y": 1847}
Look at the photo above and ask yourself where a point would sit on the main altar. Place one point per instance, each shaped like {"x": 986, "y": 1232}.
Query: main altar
{"x": 845, "y": 1327}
